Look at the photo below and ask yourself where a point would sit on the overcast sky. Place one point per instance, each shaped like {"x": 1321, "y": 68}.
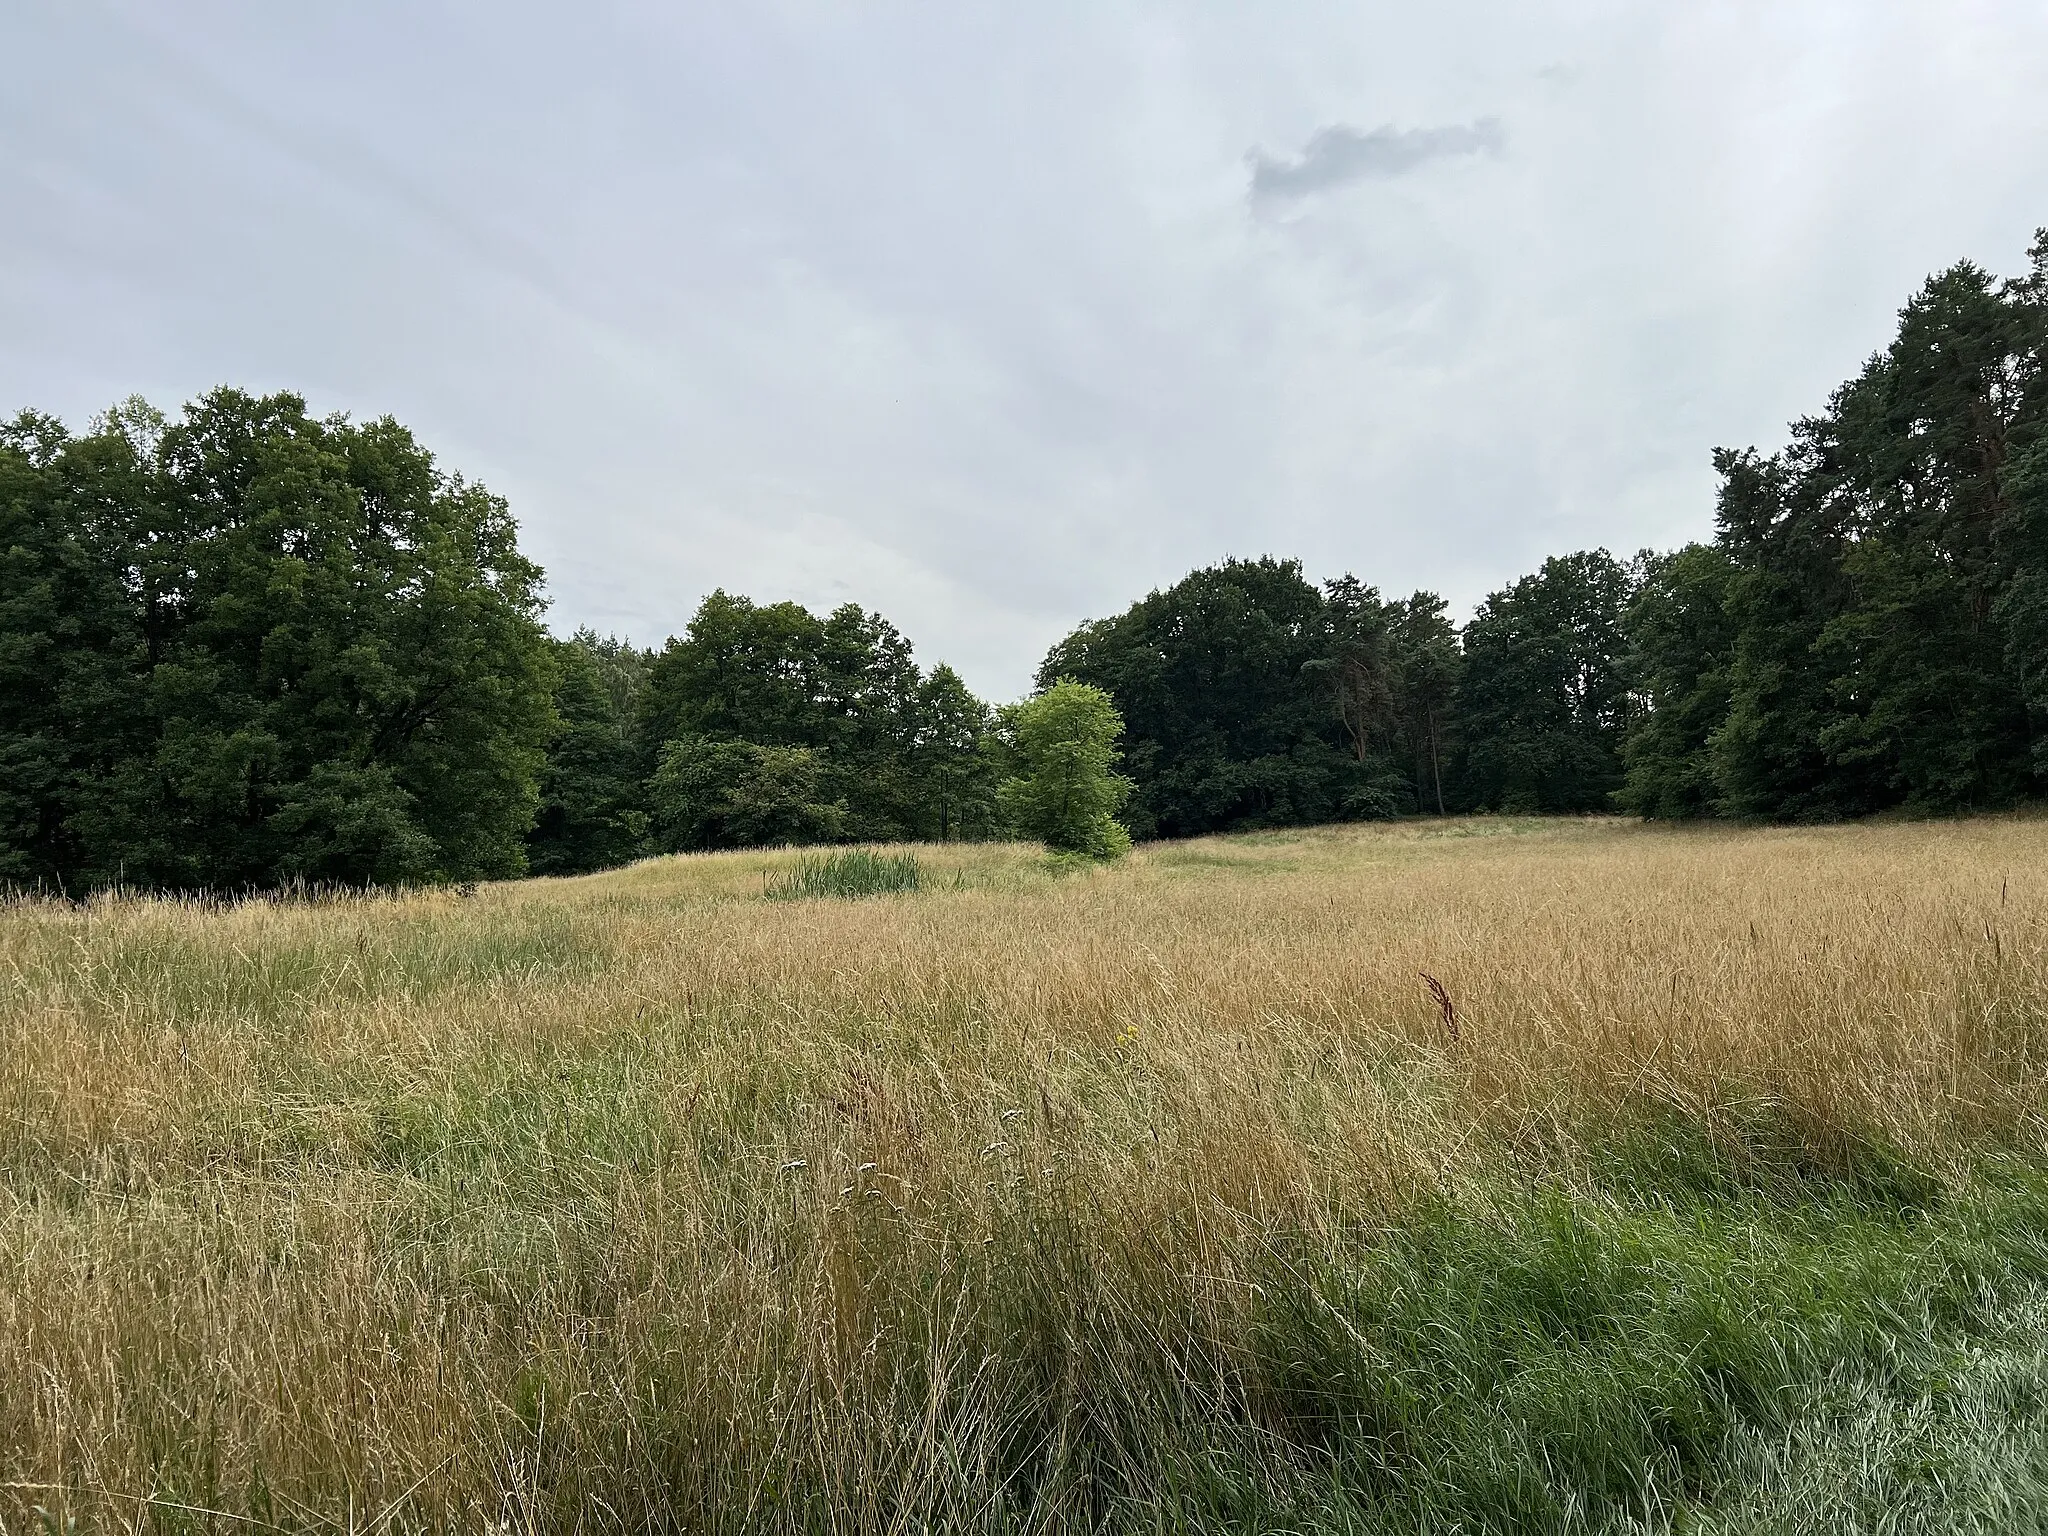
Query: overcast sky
{"x": 996, "y": 317}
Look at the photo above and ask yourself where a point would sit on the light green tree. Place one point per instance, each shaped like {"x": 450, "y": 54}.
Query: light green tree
{"x": 1063, "y": 789}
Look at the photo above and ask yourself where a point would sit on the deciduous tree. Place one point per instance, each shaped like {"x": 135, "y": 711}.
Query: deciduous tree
{"x": 1064, "y": 790}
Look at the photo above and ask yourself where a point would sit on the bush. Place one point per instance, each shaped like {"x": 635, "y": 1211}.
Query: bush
{"x": 855, "y": 872}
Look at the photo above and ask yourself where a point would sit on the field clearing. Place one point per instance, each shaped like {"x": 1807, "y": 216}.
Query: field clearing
{"x": 1162, "y": 1195}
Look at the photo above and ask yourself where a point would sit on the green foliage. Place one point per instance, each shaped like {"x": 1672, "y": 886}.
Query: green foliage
{"x": 709, "y": 793}
{"x": 2022, "y": 611}
{"x": 899, "y": 751}
{"x": 72, "y": 651}
{"x": 1064, "y": 791}
{"x": 1766, "y": 757}
{"x": 1680, "y": 644}
{"x": 1878, "y": 629}
{"x": 1431, "y": 664}
{"x": 849, "y": 872}
{"x": 1923, "y": 703}
{"x": 1577, "y": 1359}
{"x": 622, "y": 670}
{"x": 951, "y": 761}
{"x": 590, "y": 814}
{"x": 1250, "y": 698}
{"x": 1543, "y": 699}
{"x": 1363, "y": 669}
{"x": 294, "y": 650}
{"x": 742, "y": 671}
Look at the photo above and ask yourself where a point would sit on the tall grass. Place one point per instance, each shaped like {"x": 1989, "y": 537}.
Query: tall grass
{"x": 1157, "y": 1196}
{"x": 845, "y": 872}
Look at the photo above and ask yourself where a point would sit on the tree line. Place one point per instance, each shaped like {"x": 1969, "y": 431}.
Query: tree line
{"x": 766, "y": 724}
{"x": 247, "y": 646}
{"x": 1867, "y": 631}
{"x": 250, "y": 647}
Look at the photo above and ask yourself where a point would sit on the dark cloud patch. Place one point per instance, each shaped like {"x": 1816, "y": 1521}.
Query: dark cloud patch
{"x": 1340, "y": 154}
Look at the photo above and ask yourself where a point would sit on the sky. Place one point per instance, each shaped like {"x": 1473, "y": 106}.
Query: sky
{"x": 994, "y": 318}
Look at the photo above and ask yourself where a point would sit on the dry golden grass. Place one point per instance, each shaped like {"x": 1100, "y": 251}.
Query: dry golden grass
{"x": 637, "y": 1193}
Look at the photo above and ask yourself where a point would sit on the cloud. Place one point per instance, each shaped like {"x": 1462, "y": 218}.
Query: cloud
{"x": 1004, "y": 355}
{"x": 1339, "y": 154}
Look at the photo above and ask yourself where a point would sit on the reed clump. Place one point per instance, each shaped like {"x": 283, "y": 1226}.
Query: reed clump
{"x": 850, "y": 872}
{"x": 1483, "y": 1174}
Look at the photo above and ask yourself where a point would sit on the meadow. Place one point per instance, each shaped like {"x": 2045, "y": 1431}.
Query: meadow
{"x": 1486, "y": 1174}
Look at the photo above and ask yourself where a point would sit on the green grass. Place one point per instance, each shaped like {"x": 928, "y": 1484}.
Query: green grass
{"x": 854, "y": 872}
{"x": 1612, "y": 1357}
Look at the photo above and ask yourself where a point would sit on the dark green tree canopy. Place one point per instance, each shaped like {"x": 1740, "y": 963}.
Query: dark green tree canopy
{"x": 315, "y": 656}
{"x": 899, "y": 752}
{"x": 1680, "y": 642}
{"x": 1252, "y": 697}
{"x": 1543, "y": 701}
{"x": 72, "y": 653}
{"x": 590, "y": 814}
{"x": 720, "y": 792}
{"x": 1878, "y": 631}
{"x": 1229, "y": 718}
{"x": 1431, "y": 664}
{"x": 950, "y": 759}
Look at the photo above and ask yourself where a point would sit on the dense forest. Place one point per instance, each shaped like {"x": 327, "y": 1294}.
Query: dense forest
{"x": 248, "y": 646}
